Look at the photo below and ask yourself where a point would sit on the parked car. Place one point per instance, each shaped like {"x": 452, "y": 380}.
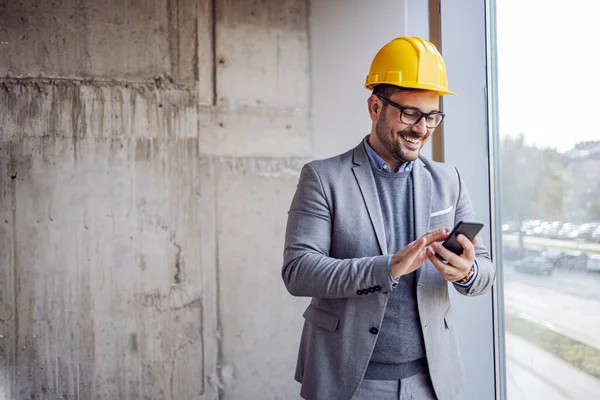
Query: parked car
{"x": 531, "y": 227}
{"x": 566, "y": 229}
{"x": 551, "y": 228}
{"x": 593, "y": 264}
{"x": 574, "y": 260}
{"x": 584, "y": 232}
{"x": 512, "y": 252}
{"x": 538, "y": 265}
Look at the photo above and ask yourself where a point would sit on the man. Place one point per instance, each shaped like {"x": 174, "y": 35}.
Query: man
{"x": 363, "y": 229}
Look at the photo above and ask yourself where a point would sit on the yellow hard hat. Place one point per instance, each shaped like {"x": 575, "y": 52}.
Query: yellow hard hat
{"x": 409, "y": 62}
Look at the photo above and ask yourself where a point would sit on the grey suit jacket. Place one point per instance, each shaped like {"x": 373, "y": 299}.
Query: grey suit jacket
{"x": 335, "y": 250}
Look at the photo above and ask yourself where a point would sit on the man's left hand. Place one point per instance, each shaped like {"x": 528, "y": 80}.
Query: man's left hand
{"x": 458, "y": 266}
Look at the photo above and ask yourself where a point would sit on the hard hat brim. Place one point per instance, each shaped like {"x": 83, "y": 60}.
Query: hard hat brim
{"x": 440, "y": 90}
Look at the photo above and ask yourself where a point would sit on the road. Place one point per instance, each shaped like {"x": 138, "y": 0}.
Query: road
{"x": 567, "y": 302}
{"x": 576, "y": 283}
{"x": 569, "y": 307}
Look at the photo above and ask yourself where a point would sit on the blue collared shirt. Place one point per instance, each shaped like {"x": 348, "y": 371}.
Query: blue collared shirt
{"x": 378, "y": 163}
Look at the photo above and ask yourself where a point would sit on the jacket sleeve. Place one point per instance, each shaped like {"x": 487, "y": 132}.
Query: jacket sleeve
{"x": 308, "y": 270}
{"x": 486, "y": 271}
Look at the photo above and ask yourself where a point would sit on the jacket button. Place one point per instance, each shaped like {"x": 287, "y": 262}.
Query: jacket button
{"x": 371, "y": 290}
{"x": 377, "y": 288}
{"x": 359, "y": 292}
{"x": 374, "y": 331}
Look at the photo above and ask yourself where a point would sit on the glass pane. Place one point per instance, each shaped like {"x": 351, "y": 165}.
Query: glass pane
{"x": 550, "y": 196}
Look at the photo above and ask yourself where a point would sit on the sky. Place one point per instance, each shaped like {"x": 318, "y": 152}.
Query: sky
{"x": 549, "y": 71}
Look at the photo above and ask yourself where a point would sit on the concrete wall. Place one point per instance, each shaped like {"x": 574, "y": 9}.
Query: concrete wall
{"x": 148, "y": 154}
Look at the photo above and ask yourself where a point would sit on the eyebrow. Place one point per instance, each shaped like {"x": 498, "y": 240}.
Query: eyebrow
{"x": 418, "y": 109}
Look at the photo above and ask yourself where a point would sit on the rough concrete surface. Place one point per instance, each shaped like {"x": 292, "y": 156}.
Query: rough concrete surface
{"x": 101, "y": 242}
{"x": 124, "y": 40}
{"x": 260, "y": 320}
{"x": 262, "y": 53}
{"x": 254, "y": 132}
{"x": 143, "y": 194}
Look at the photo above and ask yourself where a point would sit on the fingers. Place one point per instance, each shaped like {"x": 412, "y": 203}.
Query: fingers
{"x": 413, "y": 255}
{"x": 439, "y": 264}
{"x": 449, "y": 271}
{"x": 467, "y": 245}
{"x": 409, "y": 258}
{"x": 416, "y": 247}
{"x": 435, "y": 236}
{"x": 449, "y": 256}
{"x": 457, "y": 266}
{"x": 418, "y": 261}
{"x": 412, "y": 252}
{"x": 420, "y": 243}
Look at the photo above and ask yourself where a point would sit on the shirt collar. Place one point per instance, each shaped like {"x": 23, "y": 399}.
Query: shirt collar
{"x": 378, "y": 163}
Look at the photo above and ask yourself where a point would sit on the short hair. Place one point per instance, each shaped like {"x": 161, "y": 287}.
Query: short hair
{"x": 387, "y": 91}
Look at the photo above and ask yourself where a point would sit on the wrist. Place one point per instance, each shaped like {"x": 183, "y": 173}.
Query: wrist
{"x": 468, "y": 276}
{"x": 395, "y": 276}
{"x": 394, "y": 273}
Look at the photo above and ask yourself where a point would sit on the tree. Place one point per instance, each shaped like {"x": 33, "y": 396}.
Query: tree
{"x": 533, "y": 182}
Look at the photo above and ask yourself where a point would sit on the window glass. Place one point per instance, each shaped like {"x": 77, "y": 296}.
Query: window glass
{"x": 549, "y": 95}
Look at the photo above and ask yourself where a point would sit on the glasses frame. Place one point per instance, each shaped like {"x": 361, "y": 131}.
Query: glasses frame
{"x": 423, "y": 115}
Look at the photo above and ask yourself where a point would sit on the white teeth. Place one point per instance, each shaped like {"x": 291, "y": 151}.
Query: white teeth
{"x": 415, "y": 141}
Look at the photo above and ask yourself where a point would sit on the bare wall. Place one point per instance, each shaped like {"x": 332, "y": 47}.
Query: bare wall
{"x": 148, "y": 153}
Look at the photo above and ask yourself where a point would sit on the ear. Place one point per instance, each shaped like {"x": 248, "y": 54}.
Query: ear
{"x": 375, "y": 107}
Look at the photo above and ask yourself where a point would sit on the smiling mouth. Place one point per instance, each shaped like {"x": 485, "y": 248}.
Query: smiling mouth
{"x": 411, "y": 140}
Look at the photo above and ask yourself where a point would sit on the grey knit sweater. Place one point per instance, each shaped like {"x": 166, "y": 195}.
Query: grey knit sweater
{"x": 400, "y": 339}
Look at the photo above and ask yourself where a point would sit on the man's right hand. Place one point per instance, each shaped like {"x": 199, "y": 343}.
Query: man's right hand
{"x": 413, "y": 255}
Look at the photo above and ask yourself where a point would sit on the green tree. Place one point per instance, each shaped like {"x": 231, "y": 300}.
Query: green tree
{"x": 533, "y": 182}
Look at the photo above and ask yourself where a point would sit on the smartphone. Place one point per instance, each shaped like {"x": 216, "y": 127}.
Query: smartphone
{"x": 468, "y": 228}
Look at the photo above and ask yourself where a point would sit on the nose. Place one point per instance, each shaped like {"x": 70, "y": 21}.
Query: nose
{"x": 420, "y": 128}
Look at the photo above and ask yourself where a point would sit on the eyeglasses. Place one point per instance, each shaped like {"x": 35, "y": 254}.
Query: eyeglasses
{"x": 412, "y": 116}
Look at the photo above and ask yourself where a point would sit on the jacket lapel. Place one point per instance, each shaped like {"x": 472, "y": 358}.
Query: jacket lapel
{"x": 366, "y": 183}
{"x": 422, "y": 201}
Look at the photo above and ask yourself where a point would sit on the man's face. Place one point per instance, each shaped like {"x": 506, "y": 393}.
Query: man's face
{"x": 400, "y": 141}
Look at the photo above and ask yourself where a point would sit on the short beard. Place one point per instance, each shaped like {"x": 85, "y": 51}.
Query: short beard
{"x": 382, "y": 131}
